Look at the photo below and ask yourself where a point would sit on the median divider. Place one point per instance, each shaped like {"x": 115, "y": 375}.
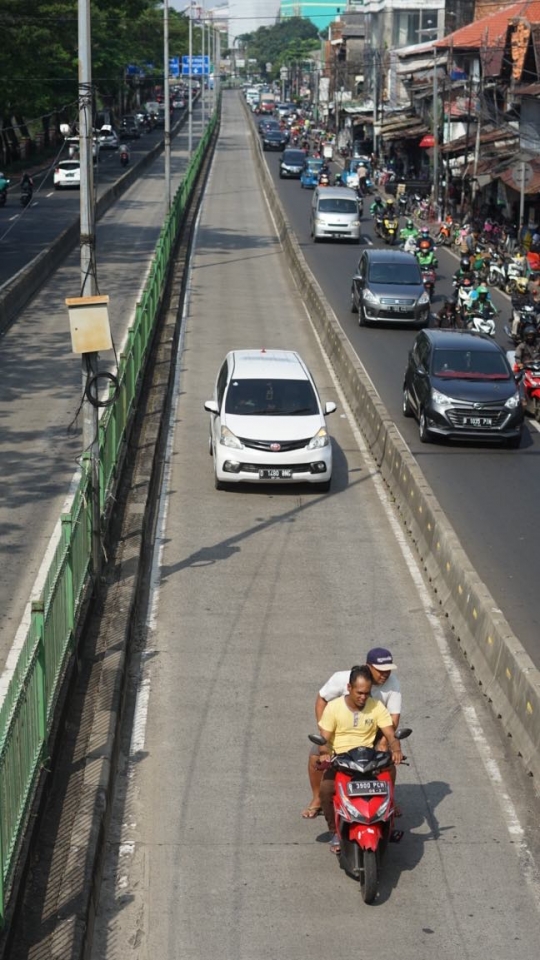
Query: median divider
{"x": 505, "y": 672}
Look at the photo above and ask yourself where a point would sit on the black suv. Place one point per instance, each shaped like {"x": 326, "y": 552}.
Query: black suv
{"x": 388, "y": 288}
{"x": 459, "y": 384}
{"x": 129, "y": 128}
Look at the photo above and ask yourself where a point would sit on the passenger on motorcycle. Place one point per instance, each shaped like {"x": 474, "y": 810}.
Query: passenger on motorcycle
{"x": 529, "y": 349}
{"x": 386, "y": 688}
{"x": 522, "y": 299}
{"x": 390, "y": 209}
{"x": 353, "y": 720}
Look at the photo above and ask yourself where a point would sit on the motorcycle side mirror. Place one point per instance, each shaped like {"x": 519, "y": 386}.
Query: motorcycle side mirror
{"x": 317, "y": 739}
{"x": 403, "y": 732}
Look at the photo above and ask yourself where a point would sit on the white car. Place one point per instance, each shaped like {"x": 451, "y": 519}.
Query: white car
{"x": 267, "y": 423}
{"x": 108, "y": 139}
{"x": 67, "y": 173}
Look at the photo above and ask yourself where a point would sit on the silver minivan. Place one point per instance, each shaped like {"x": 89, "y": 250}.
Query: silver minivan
{"x": 335, "y": 214}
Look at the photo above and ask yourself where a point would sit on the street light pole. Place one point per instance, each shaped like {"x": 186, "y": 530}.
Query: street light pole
{"x": 88, "y": 263}
{"x": 190, "y": 85}
{"x": 167, "y": 99}
{"x": 435, "y": 133}
{"x": 203, "y": 84}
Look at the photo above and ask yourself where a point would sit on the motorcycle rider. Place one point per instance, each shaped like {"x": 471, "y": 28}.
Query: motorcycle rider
{"x": 426, "y": 241}
{"x": 464, "y": 270}
{"x": 344, "y": 729}
{"x": 409, "y": 231}
{"x": 4, "y": 184}
{"x": 123, "y": 153}
{"x": 521, "y": 299}
{"x": 479, "y": 301}
{"x": 448, "y": 315}
{"x": 377, "y": 207}
{"x": 390, "y": 210}
{"x": 426, "y": 259}
{"x": 386, "y": 688}
{"x": 27, "y": 184}
{"x": 529, "y": 349}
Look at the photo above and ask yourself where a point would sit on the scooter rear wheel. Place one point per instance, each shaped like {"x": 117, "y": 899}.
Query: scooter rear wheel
{"x": 369, "y": 877}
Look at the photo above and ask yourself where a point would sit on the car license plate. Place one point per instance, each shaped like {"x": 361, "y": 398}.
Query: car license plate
{"x": 282, "y": 474}
{"x": 478, "y": 421}
{"x": 366, "y": 788}
{"x": 404, "y": 309}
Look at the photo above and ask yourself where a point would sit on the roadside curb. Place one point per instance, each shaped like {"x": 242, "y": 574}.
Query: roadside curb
{"x": 502, "y": 668}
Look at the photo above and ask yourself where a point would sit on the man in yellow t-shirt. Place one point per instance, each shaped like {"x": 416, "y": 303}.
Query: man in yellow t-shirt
{"x": 348, "y": 722}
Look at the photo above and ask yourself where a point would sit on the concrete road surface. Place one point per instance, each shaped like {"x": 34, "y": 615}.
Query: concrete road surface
{"x": 260, "y": 594}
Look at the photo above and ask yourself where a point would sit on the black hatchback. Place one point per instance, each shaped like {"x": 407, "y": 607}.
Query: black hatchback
{"x": 459, "y": 384}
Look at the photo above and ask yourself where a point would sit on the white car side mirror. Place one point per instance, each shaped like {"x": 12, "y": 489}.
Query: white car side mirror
{"x": 330, "y": 406}
{"x": 211, "y": 406}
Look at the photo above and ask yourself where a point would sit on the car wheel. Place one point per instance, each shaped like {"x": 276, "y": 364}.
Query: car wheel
{"x": 425, "y": 435}
{"x": 210, "y": 446}
{"x": 219, "y": 484}
{"x": 354, "y": 305}
{"x": 406, "y": 407}
{"x": 513, "y": 443}
{"x": 280, "y": 175}
{"x": 324, "y": 487}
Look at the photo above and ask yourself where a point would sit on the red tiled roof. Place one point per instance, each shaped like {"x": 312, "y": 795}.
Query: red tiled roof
{"x": 490, "y": 31}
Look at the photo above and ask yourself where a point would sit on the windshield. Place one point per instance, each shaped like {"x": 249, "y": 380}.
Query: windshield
{"x": 271, "y": 398}
{"x": 470, "y": 365}
{"x": 294, "y": 156}
{"x": 358, "y": 162}
{"x": 313, "y": 165}
{"x": 337, "y": 205}
{"x": 398, "y": 274}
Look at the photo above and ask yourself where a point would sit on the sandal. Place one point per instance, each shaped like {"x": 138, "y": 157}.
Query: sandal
{"x": 311, "y": 812}
{"x": 335, "y": 845}
{"x": 396, "y": 836}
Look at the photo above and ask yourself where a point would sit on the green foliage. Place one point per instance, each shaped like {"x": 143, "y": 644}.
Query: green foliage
{"x": 39, "y": 53}
{"x": 290, "y": 40}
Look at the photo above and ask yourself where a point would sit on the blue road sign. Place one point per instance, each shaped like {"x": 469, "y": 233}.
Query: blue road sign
{"x": 174, "y": 66}
{"x": 199, "y": 66}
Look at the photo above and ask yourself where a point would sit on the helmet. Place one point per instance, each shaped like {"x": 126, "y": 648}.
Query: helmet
{"x": 425, "y": 231}
{"x": 389, "y": 202}
{"x": 529, "y": 333}
{"x": 465, "y": 264}
{"x": 522, "y": 284}
{"x": 482, "y": 289}
{"x": 409, "y": 225}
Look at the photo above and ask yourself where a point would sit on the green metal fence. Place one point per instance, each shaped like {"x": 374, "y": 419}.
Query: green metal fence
{"x": 28, "y": 705}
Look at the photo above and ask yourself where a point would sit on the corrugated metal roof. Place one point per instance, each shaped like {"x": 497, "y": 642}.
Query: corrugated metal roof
{"x": 490, "y": 31}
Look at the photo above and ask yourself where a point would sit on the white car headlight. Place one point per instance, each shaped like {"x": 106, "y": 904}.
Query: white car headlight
{"x": 514, "y": 401}
{"x": 321, "y": 439}
{"x": 369, "y": 296}
{"x": 424, "y": 299}
{"x": 441, "y": 399}
{"x": 228, "y": 439}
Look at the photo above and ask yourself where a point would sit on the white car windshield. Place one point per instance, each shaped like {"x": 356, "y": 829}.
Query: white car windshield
{"x": 271, "y": 398}
{"x": 338, "y": 205}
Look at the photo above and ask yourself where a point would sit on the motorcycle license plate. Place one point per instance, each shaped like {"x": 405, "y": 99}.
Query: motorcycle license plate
{"x": 477, "y": 421}
{"x": 275, "y": 474}
{"x": 366, "y": 788}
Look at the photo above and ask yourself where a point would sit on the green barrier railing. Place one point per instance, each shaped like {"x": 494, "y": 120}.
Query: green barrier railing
{"x": 28, "y": 706}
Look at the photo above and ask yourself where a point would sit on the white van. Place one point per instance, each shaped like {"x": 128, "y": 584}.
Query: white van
{"x": 335, "y": 214}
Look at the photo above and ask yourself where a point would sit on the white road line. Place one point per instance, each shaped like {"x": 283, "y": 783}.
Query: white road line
{"x": 51, "y": 194}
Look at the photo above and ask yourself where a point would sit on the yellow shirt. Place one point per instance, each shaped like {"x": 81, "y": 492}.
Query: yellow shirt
{"x": 353, "y": 728}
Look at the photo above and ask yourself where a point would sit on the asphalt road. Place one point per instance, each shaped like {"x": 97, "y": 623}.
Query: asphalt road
{"x": 488, "y": 493}
{"x": 260, "y": 594}
{"x": 40, "y": 381}
{"x": 24, "y": 233}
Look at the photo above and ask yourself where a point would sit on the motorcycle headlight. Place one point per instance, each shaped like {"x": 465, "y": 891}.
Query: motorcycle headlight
{"x": 423, "y": 300}
{"x": 228, "y": 439}
{"x": 440, "y": 399}
{"x": 514, "y": 401}
{"x": 369, "y": 296}
{"x": 321, "y": 439}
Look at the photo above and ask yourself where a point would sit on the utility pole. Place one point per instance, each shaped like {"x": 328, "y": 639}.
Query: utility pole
{"x": 435, "y": 134}
{"x": 203, "y": 84}
{"x": 167, "y": 99}
{"x": 375, "y": 104}
{"x": 88, "y": 264}
{"x": 190, "y": 84}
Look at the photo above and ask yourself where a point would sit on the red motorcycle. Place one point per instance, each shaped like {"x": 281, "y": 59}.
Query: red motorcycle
{"x": 364, "y": 809}
{"x": 530, "y": 380}
{"x": 428, "y": 279}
